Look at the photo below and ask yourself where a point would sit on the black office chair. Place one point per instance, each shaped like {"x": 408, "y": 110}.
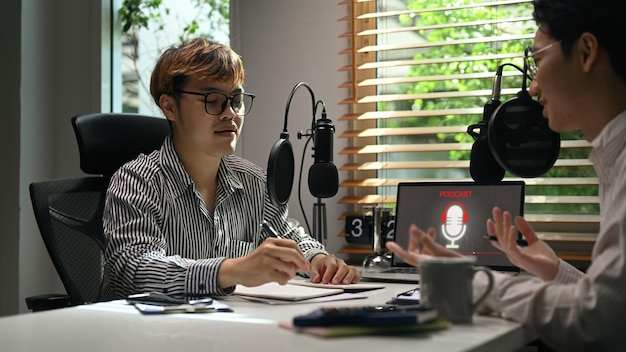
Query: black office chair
{"x": 108, "y": 140}
{"x": 69, "y": 211}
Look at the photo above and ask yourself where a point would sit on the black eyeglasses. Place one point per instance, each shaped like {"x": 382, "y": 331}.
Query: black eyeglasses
{"x": 215, "y": 102}
{"x": 529, "y": 59}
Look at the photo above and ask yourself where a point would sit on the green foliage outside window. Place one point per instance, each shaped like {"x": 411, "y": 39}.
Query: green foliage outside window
{"x": 150, "y": 18}
{"x": 447, "y": 33}
{"x": 148, "y": 14}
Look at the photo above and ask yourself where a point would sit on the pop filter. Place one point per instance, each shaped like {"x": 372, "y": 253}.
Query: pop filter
{"x": 280, "y": 170}
{"x": 280, "y": 165}
{"x": 520, "y": 138}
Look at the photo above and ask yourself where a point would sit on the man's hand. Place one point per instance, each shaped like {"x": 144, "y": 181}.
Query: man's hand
{"x": 275, "y": 260}
{"x": 330, "y": 269}
{"x": 421, "y": 246}
{"x": 537, "y": 258}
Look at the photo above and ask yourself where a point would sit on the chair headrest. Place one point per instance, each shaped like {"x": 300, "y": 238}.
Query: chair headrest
{"x": 107, "y": 141}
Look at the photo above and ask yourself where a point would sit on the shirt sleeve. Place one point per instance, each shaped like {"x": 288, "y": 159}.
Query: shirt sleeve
{"x": 136, "y": 257}
{"x": 572, "y": 312}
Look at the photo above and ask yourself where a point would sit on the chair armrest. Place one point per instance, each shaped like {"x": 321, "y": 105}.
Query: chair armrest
{"x": 47, "y": 301}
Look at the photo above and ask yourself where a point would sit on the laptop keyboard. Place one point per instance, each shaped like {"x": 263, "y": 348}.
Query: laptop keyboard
{"x": 403, "y": 270}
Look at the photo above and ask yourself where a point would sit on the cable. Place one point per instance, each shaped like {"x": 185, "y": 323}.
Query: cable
{"x": 306, "y": 221}
{"x": 315, "y": 112}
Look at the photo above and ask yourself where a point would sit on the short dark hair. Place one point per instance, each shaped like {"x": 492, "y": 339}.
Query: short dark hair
{"x": 566, "y": 20}
{"x": 198, "y": 57}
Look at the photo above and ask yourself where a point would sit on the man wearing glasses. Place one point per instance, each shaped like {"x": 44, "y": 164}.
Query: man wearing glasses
{"x": 577, "y": 64}
{"x": 185, "y": 219}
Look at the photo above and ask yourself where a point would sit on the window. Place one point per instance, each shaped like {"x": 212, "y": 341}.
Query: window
{"x": 421, "y": 72}
{"x": 156, "y": 25}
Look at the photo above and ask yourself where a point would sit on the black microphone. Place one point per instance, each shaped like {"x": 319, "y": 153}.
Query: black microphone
{"x": 484, "y": 168}
{"x": 323, "y": 175}
{"x": 519, "y": 136}
{"x": 513, "y": 136}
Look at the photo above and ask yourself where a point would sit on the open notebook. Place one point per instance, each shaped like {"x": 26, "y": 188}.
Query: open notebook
{"x": 297, "y": 290}
{"x": 458, "y": 211}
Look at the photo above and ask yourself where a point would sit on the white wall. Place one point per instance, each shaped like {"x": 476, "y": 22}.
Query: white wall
{"x": 53, "y": 70}
{"x": 283, "y": 42}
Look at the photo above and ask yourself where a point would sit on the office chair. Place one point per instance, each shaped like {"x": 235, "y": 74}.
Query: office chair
{"x": 69, "y": 211}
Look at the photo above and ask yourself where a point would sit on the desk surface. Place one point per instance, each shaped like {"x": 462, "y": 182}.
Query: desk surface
{"x": 115, "y": 326}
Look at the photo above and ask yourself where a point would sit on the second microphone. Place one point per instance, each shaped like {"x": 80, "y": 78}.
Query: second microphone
{"x": 323, "y": 176}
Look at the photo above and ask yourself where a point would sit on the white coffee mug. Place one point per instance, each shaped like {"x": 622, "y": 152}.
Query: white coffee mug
{"x": 446, "y": 284}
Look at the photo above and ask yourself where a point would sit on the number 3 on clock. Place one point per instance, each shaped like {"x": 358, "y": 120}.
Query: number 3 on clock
{"x": 358, "y": 229}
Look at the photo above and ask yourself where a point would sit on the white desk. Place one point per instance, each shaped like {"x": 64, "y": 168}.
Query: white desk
{"x": 115, "y": 326}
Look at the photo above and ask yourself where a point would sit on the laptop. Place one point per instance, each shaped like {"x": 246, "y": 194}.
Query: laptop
{"x": 458, "y": 211}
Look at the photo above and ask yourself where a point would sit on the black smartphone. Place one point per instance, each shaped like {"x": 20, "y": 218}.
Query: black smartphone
{"x": 520, "y": 241}
{"x": 158, "y": 298}
{"x": 379, "y": 315}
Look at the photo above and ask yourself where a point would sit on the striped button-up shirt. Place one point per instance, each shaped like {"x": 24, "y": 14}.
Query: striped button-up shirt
{"x": 161, "y": 237}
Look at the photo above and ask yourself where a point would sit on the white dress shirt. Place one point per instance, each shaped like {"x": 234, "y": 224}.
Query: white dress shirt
{"x": 580, "y": 311}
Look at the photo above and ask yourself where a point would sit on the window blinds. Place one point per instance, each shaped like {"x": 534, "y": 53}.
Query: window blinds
{"x": 420, "y": 73}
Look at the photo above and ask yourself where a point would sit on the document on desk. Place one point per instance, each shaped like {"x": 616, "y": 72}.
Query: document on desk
{"x": 213, "y": 307}
{"x": 274, "y": 293}
{"x": 348, "y": 288}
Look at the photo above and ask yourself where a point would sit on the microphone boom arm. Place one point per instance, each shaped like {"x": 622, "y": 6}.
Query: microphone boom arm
{"x": 293, "y": 91}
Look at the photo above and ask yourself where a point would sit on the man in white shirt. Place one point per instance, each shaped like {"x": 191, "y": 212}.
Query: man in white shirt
{"x": 578, "y": 63}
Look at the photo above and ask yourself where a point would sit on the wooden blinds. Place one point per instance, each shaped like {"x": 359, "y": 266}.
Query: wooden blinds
{"x": 420, "y": 73}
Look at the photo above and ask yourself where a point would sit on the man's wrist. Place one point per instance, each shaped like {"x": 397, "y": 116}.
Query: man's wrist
{"x": 316, "y": 258}
{"x": 227, "y": 275}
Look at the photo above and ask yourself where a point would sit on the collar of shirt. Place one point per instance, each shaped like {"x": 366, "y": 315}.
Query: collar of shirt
{"x": 180, "y": 180}
{"x": 615, "y": 128}
{"x": 607, "y": 147}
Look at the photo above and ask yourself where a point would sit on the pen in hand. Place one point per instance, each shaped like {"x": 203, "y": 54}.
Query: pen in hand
{"x": 272, "y": 231}
{"x": 269, "y": 228}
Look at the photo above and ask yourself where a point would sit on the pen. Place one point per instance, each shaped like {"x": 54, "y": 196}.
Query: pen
{"x": 520, "y": 241}
{"x": 269, "y": 228}
{"x": 410, "y": 292}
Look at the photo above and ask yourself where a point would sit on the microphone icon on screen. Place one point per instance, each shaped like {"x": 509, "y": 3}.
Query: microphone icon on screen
{"x": 453, "y": 223}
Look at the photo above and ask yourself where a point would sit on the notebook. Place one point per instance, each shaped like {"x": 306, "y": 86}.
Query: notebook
{"x": 274, "y": 290}
{"x": 458, "y": 211}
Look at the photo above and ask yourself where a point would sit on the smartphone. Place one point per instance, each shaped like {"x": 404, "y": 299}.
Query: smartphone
{"x": 158, "y": 298}
{"x": 520, "y": 241}
{"x": 379, "y": 315}
{"x": 182, "y": 308}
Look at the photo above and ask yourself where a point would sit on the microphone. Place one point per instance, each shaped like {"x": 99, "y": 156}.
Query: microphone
{"x": 453, "y": 223}
{"x": 519, "y": 136}
{"x": 323, "y": 176}
{"x": 512, "y": 136}
{"x": 484, "y": 168}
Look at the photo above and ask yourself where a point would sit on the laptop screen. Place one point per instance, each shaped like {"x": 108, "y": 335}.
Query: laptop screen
{"x": 458, "y": 211}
